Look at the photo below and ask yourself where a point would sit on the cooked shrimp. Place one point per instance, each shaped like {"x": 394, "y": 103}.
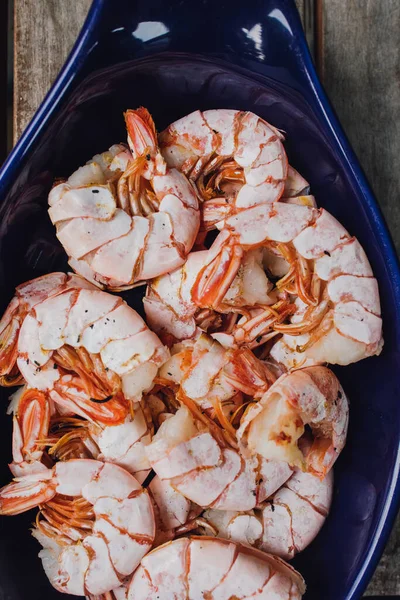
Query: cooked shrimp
{"x": 214, "y": 378}
{"x": 127, "y": 218}
{"x": 297, "y": 190}
{"x": 42, "y": 435}
{"x": 121, "y": 444}
{"x": 236, "y": 159}
{"x": 199, "y": 567}
{"x": 296, "y": 513}
{"x": 118, "y": 594}
{"x": 170, "y": 305}
{"x": 171, "y": 509}
{"x": 31, "y": 422}
{"x": 201, "y": 466}
{"x": 170, "y": 310}
{"x": 27, "y": 295}
{"x": 283, "y": 525}
{"x": 274, "y": 426}
{"x": 95, "y": 523}
{"x": 339, "y": 316}
{"x": 90, "y": 351}
{"x": 124, "y": 444}
{"x": 327, "y": 269}
{"x": 329, "y": 273}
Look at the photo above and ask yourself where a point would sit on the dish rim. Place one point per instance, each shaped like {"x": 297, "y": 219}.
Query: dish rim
{"x": 56, "y": 94}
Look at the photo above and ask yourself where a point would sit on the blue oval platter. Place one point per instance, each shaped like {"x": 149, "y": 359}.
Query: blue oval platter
{"x": 174, "y": 57}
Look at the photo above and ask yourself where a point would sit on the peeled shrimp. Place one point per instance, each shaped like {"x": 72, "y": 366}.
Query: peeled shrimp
{"x": 197, "y": 463}
{"x": 27, "y": 295}
{"x": 337, "y": 317}
{"x": 171, "y": 509}
{"x": 236, "y": 159}
{"x": 31, "y": 422}
{"x": 90, "y": 351}
{"x": 95, "y": 523}
{"x": 126, "y": 217}
{"x": 170, "y": 305}
{"x": 283, "y": 525}
{"x": 240, "y": 169}
{"x": 43, "y": 432}
{"x": 213, "y": 378}
{"x": 274, "y": 426}
{"x": 199, "y": 567}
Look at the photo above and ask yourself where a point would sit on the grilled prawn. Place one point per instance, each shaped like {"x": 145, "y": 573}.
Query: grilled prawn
{"x": 239, "y": 166}
{"x": 199, "y": 567}
{"x": 275, "y": 426}
{"x": 126, "y": 217}
{"x": 90, "y": 352}
{"x": 95, "y": 523}
{"x": 286, "y": 523}
{"x": 27, "y": 295}
{"x": 199, "y": 464}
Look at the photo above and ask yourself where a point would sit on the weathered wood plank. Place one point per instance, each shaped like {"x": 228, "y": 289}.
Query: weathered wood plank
{"x": 386, "y": 580}
{"x": 3, "y": 79}
{"x": 362, "y": 77}
{"x": 45, "y": 31}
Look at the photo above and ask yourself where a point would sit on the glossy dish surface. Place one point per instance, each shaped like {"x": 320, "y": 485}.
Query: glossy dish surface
{"x": 173, "y": 58}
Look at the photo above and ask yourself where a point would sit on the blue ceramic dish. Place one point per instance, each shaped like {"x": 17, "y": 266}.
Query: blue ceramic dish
{"x": 174, "y": 57}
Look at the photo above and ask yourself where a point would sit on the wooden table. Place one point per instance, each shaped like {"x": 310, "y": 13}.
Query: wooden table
{"x": 357, "y": 48}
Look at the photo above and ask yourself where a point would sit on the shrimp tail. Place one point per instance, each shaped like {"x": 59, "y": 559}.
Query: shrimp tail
{"x": 26, "y": 493}
{"x": 31, "y": 423}
{"x": 218, "y": 273}
{"x": 142, "y": 135}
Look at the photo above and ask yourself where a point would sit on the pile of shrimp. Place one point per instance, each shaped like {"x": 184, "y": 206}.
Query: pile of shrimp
{"x": 189, "y": 454}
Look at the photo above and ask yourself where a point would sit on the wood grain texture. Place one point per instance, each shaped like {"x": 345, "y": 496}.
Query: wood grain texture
{"x": 45, "y": 31}
{"x": 386, "y": 580}
{"x": 3, "y": 79}
{"x": 362, "y": 78}
{"x": 360, "y": 58}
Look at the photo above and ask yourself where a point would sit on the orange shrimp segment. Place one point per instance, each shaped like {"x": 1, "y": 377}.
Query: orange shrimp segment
{"x": 27, "y": 295}
{"x": 215, "y": 278}
{"x": 275, "y": 426}
{"x": 141, "y": 131}
{"x": 195, "y": 567}
{"x": 126, "y": 217}
{"x": 95, "y": 524}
